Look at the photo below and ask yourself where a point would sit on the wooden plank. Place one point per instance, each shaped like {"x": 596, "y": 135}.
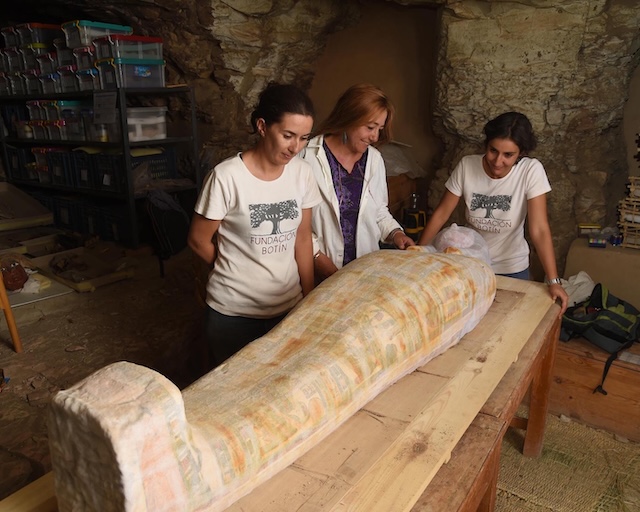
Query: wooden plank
{"x": 463, "y": 483}
{"x": 38, "y": 496}
{"x": 577, "y": 372}
{"x": 395, "y": 479}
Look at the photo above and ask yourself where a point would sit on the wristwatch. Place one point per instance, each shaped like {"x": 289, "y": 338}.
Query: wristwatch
{"x": 555, "y": 280}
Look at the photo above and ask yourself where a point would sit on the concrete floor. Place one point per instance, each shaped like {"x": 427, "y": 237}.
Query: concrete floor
{"x": 148, "y": 319}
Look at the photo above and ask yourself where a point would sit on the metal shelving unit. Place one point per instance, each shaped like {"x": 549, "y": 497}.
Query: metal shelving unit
{"x": 128, "y": 196}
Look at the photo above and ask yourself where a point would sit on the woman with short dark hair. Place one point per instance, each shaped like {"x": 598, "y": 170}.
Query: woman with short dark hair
{"x": 502, "y": 188}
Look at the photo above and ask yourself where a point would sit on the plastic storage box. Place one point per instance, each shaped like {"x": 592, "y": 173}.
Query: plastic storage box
{"x": 29, "y": 33}
{"x": 128, "y": 47}
{"x": 5, "y": 85}
{"x": 51, "y": 83}
{"x": 82, "y": 32}
{"x": 59, "y": 165}
{"x": 82, "y": 169}
{"x": 134, "y": 73}
{"x": 18, "y": 159}
{"x": 17, "y": 83}
{"x": 39, "y": 129}
{"x": 35, "y": 111}
{"x": 147, "y": 123}
{"x": 68, "y": 79}
{"x": 100, "y": 132}
{"x": 29, "y": 53}
{"x": 63, "y": 54}
{"x": 13, "y": 60}
{"x": 32, "y": 83}
{"x": 84, "y": 57}
{"x": 88, "y": 79}
{"x": 47, "y": 62}
{"x": 10, "y": 36}
{"x": 54, "y": 108}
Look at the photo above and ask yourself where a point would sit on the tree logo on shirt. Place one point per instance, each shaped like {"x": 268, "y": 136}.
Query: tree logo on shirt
{"x": 274, "y": 213}
{"x": 490, "y": 203}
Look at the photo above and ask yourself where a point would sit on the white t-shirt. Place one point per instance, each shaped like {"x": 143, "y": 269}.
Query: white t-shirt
{"x": 497, "y": 208}
{"x": 255, "y": 274}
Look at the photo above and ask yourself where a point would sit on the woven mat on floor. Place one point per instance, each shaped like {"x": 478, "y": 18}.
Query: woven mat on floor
{"x": 581, "y": 470}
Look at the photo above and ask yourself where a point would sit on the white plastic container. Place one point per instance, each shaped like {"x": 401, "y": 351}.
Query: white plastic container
{"x": 82, "y": 32}
{"x": 119, "y": 46}
{"x": 147, "y": 123}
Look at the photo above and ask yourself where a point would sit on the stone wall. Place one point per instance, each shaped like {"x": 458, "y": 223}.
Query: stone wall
{"x": 566, "y": 64}
{"x": 568, "y": 68}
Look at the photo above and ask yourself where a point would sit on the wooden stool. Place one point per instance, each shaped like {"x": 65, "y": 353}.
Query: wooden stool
{"x": 8, "y": 314}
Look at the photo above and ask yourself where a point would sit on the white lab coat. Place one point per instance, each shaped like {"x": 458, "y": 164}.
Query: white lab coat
{"x": 375, "y": 222}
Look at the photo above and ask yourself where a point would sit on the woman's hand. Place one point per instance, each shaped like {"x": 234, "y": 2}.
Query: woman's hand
{"x": 557, "y": 292}
{"x": 323, "y": 267}
{"x": 401, "y": 240}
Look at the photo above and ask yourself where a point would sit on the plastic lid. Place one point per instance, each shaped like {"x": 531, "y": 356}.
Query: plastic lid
{"x": 68, "y": 103}
{"x": 136, "y": 62}
{"x": 123, "y": 37}
{"x": 49, "y": 55}
{"x": 69, "y": 67}
{"x": 46, "y": 149}
{"x": 41, "y": 46}
{"x": 84, "y": 49}
{"x": 142, "y": 110}
{"x": 91, "y": 71}
{"x": 38, "y": 25}
{"x": 96, "y": 24}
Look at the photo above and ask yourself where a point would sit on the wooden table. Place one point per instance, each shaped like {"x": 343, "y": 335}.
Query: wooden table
{"x": 430, "y": 442}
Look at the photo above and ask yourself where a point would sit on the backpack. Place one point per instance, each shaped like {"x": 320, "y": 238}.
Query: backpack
{"x": 606, "y": 321}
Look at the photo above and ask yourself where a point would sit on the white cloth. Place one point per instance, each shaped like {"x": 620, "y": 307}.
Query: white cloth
{"x": 255, "y": 274}
{"x": 578, "y": 287}
{"x": 375, "y": 222}
{"x": 497, "y": 208}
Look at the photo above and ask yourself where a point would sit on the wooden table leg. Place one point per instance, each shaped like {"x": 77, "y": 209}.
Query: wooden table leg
{"x": 539, "y": 398}
{"x": 8, "y": 314}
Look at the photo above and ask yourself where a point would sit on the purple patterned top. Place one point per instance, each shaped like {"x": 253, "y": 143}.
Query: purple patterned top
{"x": 348, "y": 187}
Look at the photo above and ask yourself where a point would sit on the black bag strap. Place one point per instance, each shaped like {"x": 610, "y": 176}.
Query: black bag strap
{"x": 607, "y": 365}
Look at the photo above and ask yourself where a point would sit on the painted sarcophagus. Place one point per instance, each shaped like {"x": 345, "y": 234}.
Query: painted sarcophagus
{"x": 126, "y": 439}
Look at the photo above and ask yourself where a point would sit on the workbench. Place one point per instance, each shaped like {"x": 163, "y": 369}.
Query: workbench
{"x": 431, "y": 441}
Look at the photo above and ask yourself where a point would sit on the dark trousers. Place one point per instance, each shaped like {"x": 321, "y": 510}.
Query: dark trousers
{"x": 226, "y": 335}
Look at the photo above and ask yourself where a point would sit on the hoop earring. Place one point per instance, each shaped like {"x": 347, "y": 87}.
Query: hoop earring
{"x": 344, "y": 137}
